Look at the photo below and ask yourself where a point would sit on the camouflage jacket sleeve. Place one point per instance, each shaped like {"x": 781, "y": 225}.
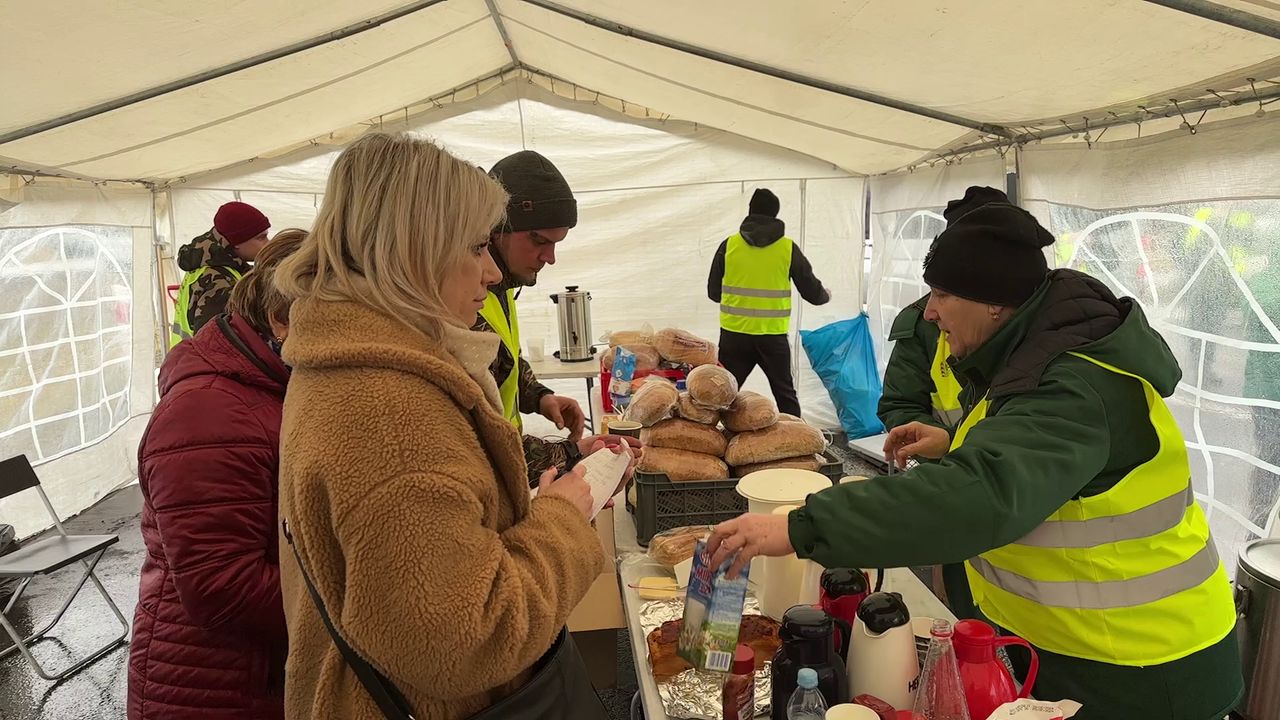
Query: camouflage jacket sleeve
{"x": 209, "y": 296}
{"x": 531, "y": 391}
{"x": 542, "y": 455}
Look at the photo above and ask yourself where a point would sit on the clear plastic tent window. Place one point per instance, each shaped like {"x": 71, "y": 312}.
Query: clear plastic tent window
{"x": 65, "y": 337}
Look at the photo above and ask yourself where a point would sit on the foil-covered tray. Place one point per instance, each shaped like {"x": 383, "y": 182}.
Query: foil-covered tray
{"x": 695, "y": 695}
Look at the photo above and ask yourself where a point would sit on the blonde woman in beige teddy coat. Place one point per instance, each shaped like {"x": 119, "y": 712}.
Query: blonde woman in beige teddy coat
{"x": 402, "y": 484}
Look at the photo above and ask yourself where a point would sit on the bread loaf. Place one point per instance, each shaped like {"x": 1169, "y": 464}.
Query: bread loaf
{"x": 689, "y": 410}
{"x": 652, "y": 402}
{"x": 682, "y": 465}
{"x": 631, "y": 337}
{"x": 788, "y": 417}
{"x": 783, "y": 440}
{"x": 682, "y": 348}
{"x": 681, "y": 434}
{"x": 672, "y": 547}
{"x": 712, "y": 386}
{"x": 750, "y": 411}
{"x": 804, "y": 462}
{"x": 647, "y": 357}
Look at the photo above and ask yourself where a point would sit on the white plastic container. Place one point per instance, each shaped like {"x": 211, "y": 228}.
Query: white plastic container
{"x": 788, "y": 580}
{"x": 768, "y": 490}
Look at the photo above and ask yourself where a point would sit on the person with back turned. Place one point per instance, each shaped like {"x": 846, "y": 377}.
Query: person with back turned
{"x": 751, "y": 277}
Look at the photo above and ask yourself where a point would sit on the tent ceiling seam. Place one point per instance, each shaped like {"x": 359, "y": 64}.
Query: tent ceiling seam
{"x": 1215, "y": 12}
{"x": 723, "y": 98}
{"x": 502, "y": 30}
{"x": 1175, "y": 107}
{"x": 799, "y": 79}
{"x": 280, "y": 100}
{"x": 207, "y": 75}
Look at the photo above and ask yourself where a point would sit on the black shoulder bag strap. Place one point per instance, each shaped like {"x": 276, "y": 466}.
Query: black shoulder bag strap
{"x": 384, "y": 693}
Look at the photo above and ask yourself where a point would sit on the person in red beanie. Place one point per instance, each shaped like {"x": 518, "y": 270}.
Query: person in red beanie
{"x": 214, "y": 262}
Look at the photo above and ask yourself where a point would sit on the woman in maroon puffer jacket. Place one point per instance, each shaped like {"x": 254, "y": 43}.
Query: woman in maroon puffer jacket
{"x": 209, "y": 638}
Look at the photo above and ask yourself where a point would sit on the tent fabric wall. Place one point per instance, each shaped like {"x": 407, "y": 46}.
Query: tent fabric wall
{"x": 906, "y": 214}
{"x": 655, "y": 199}
{"x": 76, "y": 337}
{"x": 1188, "y": 225}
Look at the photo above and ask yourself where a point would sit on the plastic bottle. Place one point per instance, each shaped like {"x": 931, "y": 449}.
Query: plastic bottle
{"x": 806, "y": 702}
{"x": 738, "y": 696}
{"x": 941, "y": 693}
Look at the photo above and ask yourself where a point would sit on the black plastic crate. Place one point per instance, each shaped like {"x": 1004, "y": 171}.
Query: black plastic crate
{"x": 662, "y": 505}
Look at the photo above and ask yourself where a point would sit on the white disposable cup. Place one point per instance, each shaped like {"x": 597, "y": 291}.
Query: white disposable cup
{"x": 537, "y": 349}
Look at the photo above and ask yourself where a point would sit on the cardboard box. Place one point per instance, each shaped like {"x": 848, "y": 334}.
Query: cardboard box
{"x": 599, "y": 649}
{"x": 601, "y": 609}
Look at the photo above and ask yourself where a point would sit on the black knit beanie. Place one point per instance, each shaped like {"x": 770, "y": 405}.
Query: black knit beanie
{"x": 540, "y": 196}
{"x": 991, "y": 251}
{"x": 764, "y": 202}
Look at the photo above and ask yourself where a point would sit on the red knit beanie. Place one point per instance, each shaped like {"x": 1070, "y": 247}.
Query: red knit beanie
{"x": 238, "y": 222}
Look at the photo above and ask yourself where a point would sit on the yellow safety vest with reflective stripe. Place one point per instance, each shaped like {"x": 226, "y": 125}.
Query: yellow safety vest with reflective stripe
{"x": 1127, "y": 577}
{"x": 509, "y": 332}
{"x": 945, "y": 397}
{"x": 180, "y": 329}
{"x": 755, "y": 296}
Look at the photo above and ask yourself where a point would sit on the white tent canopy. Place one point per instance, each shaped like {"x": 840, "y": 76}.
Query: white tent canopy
{"x": 1143, "y": 135}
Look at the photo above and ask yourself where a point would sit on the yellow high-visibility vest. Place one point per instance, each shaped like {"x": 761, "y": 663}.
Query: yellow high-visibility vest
{"x": 1128, "y": 577}
{"x": 180, "y": 329}
{"x": 755, "y": 296}
{"x": 945, "y": 397}
{"x": 509, "y": 332}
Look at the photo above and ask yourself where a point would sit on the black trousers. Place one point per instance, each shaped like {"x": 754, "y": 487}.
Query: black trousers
{"x": 740, "y": 354}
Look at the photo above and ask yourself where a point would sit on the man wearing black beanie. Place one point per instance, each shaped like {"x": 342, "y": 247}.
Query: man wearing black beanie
{"x": 919, "y": 385}
{"x": 751, "y": 276}
{"x": 541, "y": 210}
{"x": 1066, "y": 491}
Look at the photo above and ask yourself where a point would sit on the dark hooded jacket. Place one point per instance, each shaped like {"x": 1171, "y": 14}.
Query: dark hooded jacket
{"x": 763, "y": 231}
{"x": 211, "y": 292}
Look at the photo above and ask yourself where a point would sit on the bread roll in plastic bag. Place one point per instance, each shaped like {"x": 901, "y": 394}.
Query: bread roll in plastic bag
{"x": 782, "y": 440}
{"x": 682, "y": 465}
{"x": 652, "y": 402}
{"x": 750, "y": 411}
{"x": 690, "y": 410}
{"x": 683, "y": 348}
{"x": 643, "y": 336}
{"x": 680, "y": 434}
{"x": 712, "y": 386}
{"x": 647, "y": 357}
{"x": 674, "y": 546}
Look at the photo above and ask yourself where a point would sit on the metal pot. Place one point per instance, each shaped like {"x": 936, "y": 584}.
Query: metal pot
{"x": 574, "y": 307}
{"x": 1258, "y": 602}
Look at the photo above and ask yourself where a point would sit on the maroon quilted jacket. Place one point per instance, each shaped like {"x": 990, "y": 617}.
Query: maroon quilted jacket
{"x": 209, "y": 639}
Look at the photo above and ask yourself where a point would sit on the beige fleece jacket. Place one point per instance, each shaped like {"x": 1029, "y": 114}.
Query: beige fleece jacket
{"x": 406, "y": 494}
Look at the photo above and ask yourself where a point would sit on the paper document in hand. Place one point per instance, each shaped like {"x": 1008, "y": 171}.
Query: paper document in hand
{"x": 604, "y": 469}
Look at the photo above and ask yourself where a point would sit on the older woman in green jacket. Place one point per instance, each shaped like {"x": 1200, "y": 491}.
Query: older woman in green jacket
{"x": 1066, "y": 490}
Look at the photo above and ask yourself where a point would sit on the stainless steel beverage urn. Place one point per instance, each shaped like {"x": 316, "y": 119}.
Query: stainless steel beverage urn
{"x": 1258, "y": 604}
{"x": 575, "y": 324}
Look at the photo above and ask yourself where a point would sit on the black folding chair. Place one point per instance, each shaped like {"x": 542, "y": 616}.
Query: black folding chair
{"x": 43, "y": 557}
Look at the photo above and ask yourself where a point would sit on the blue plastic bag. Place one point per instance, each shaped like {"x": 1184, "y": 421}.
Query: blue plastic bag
{"x": 843, "y": 356}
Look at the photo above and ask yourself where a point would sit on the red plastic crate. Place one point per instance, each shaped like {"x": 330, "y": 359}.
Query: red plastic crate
{"x": 674, "y": 375}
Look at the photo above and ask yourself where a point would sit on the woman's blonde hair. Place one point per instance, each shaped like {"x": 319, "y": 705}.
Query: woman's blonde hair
{"x": 255, "y": 297}
{"x": 397, "y": 217}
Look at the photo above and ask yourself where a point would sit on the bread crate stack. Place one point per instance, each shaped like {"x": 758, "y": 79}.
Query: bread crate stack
{"x": 697, "y": 441}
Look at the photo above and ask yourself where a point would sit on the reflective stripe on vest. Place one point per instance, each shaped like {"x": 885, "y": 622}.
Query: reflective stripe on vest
{"x": 1130, "y": 576}
{"x": 509, "y": 332}
{"x": 755, "y": 296}
{"x": 945, "y": 397}
{"x": 180, "y": 329}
